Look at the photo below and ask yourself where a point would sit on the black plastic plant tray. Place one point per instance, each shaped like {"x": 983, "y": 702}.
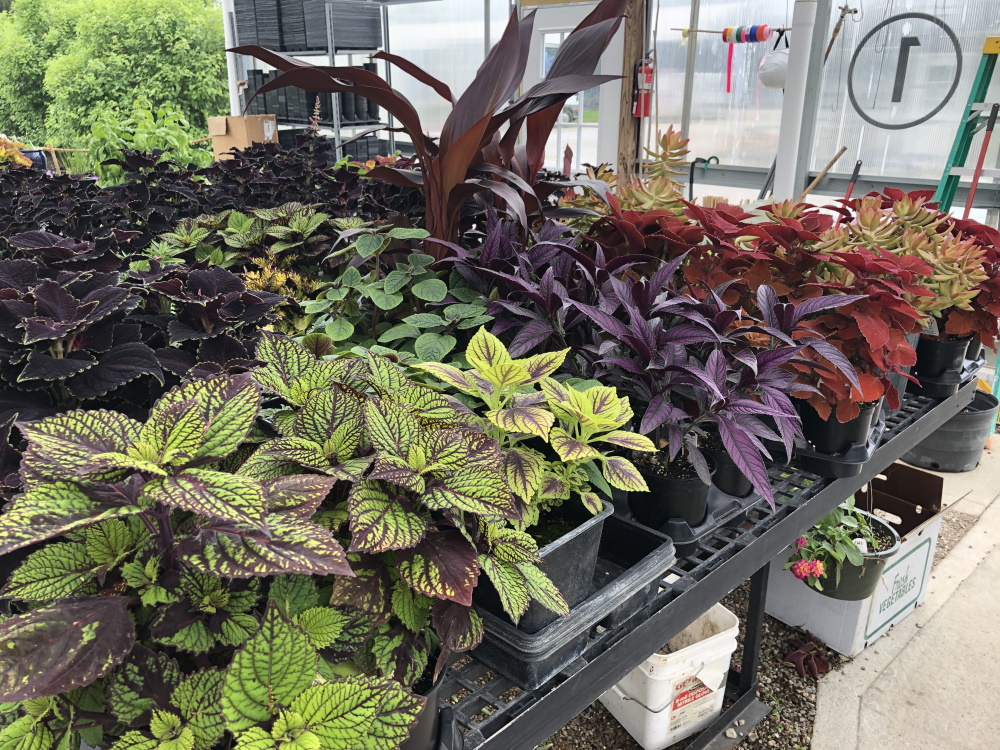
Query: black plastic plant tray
{"x": 949, "y": 383}
{"x": 723, "y": 510}
{"x": 633, "y": 560}
{"x": 846, "y": 464}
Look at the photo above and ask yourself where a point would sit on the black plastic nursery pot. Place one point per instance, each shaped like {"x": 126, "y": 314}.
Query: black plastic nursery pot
{"x": 900, "y": 382}
{"x": 37, "y": 158}
{"x": 435, "y": 729}
{"x": 975, "y": 348}
{"x": 569, "y": 562}
{"x": 935, "y": 357}
{"x": 631, "y": 564}
{"x": 832, "y": 436}
{"x": 958, "y": 444}
{"x": 670, "y": 497}
{"x": 858, "y": 582}
{"x": 727, "y": 476}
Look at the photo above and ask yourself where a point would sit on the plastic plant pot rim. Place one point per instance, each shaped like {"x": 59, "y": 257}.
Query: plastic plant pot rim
{"x": 582, "y": 528}
{"x": 881, "y": 554}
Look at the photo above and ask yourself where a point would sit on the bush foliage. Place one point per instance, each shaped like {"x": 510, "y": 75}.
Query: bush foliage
{"x": 66, "y": 61}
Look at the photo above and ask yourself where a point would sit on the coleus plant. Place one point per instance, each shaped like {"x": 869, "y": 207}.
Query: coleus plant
{"x": 474, "y": 155}
{"x": 428, "y": 508}
{"x": 169, "y": 603}
{"x": 66, "y": 338}
{"x": 870, "y": 331}
{"x": 521, "y": 403}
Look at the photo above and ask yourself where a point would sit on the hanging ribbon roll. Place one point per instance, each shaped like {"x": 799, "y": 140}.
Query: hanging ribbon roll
{"x": 742, "y": 35}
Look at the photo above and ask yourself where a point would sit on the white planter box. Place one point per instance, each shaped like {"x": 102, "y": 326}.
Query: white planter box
{"x": 914, "y": 497}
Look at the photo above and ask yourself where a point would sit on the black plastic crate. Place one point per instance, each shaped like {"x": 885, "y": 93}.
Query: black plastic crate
{"x": 356, "y": 26}
{"x": 635, "y": 559}
{"x": 314, "y": 15}
{"x": 246, "y": 21}
{"x": 293, "y": 25}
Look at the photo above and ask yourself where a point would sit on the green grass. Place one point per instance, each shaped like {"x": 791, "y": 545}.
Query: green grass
{"x": 590, "y": 115}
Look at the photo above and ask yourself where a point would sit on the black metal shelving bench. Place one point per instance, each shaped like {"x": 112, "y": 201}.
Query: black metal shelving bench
{"x": 495, "y": 714}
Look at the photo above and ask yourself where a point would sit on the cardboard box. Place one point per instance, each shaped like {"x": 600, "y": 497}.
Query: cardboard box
{"x": 910, "y": 500}
{"x": 239, "y": 132}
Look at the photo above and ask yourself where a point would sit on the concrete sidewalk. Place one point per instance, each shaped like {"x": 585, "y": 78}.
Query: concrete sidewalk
{"x": 933, "y": 681}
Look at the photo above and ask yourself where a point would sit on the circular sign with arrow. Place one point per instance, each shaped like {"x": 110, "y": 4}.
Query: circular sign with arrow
{"x": 904, "y": 71}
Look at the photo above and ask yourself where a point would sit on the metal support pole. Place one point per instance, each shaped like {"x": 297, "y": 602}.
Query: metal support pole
{"x": 814, "y": 82}
{"x": 755, "y": 629}
{"x": 803, "y": 19}
{"x": 692, "y": 50}
{"x": 234, "y": 63}
{"x": 487, "y": 31}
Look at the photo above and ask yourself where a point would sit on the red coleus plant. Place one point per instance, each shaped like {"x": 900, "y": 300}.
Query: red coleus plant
{"x": 477, "y": 151}
{"x": 870, "y": 331}
{"x": 984, "y": 318}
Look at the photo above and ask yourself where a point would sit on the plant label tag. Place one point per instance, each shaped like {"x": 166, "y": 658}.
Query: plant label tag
{"x": 862, "y": 545}
{"x": 931, "y": 326}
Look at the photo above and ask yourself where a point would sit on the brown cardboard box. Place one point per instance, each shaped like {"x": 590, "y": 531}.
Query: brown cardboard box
{"x": 239, "y": 132}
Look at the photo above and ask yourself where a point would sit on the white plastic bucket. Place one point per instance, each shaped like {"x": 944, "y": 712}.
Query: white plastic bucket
{"x": 671, "y": 696}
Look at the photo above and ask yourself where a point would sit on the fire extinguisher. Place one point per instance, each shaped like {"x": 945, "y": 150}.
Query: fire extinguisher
{"x": 643, "y": 93}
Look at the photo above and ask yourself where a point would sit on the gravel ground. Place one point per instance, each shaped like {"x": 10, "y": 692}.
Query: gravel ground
{"x": 954, "y": 525}
{"x": 789, "y": 726}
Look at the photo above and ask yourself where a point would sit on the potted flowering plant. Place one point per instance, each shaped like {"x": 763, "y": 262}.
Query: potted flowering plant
{"x": 849, "y": 543}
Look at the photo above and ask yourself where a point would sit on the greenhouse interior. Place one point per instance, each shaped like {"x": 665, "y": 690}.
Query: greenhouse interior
{"x": 499, "y": 374}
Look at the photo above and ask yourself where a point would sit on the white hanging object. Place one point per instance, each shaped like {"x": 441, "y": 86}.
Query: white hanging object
{"x": 773, "y": 69}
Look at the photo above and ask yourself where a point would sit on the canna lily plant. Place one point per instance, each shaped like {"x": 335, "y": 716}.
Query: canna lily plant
{"x": 477, "y": 152}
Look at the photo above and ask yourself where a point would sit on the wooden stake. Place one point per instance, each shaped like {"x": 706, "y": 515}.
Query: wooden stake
{"x": 821, "y": 175}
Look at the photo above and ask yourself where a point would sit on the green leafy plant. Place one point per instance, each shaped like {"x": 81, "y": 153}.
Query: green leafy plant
{"x": 522, "y": 403}
{"x": 428, "y": 506}
{"x": 393, "y": 297}
{"x": 831, "y": 542}
{"x": 168, "y": 602}
{"x": 143, "y": 129}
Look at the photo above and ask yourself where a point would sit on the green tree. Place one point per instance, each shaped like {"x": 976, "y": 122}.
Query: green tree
{"x": 66, "y": 62}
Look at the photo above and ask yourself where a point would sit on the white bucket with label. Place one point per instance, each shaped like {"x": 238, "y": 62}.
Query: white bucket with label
{"x": 672, "y": 695}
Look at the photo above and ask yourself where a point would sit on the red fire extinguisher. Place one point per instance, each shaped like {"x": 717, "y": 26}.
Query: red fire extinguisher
{"x": 643, "y": 93}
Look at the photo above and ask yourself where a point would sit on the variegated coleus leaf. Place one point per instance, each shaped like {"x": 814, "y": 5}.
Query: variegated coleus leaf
{"x": 391, "y": 427}
{"x": 210, "y": 493}
{"x": 622, "y": 474}
{"x": 274, "y": 668}
{"x": 460, "y": 628}
{"x": 57, "y": 508}
{"x": 522, "y": 468}
{"x": 519, "y": 583}
{"x": 369, "y": 592}
{"x": 485, "y": 351}
{"x": 295, "y": 374}
{"x": 569, "y": 448}
{"x": 526, "y": 420}
{"x": 350, "y": 713}
{"x": 399, "y": 653}
{"x": 227, "y": 407}
{"x": 63, "y": 445}
{"x": 288, "y": 544}
{"x": 473, "y": 490}
{"x": 286, "y": 456}
{"x": 324, "y": 413}
{"x": 54, "y": 649}
{"x": 383, "y": 519}
{"x": 443, "y": 565}
{"x": 141, "y": 683}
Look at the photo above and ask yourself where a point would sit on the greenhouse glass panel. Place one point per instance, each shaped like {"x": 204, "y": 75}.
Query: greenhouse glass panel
{"x": 897, "y": 82}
